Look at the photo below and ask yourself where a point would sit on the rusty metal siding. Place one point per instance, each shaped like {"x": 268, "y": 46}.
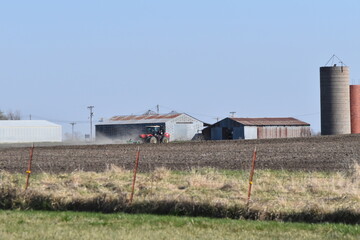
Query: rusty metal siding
{"x": 289, "y": 121}
{"x": 355, "y": 108}
{"x": 145, "y": 117}
{"x": 283, "y": 131}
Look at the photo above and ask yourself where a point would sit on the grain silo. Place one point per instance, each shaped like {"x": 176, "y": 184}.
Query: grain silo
{"x": 335, "y": 100}
{"x": 355, "y": 108}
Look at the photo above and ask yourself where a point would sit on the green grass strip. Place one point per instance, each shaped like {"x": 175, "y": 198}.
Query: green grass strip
{"x": 81, "y": 225}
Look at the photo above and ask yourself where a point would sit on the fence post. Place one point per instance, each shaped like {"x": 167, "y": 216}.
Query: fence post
{"x": 251, "y": 175}
{"x": 29, "y": 167}
{"x": 135, "y": 171}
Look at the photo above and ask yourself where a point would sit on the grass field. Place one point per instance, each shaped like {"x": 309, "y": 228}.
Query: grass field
{"x": 79, "y": 225}
{"x": 276, "y": 195}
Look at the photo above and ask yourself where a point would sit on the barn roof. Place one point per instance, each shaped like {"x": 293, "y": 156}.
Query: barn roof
{"x": 163, "y": 117}
{"x": 270, "y": 121}
{"x": 145, "y": 118}
{"x": 27, "y": 123}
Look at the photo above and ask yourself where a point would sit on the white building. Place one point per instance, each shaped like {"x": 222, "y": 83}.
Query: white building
{"x": 24, "y": 131}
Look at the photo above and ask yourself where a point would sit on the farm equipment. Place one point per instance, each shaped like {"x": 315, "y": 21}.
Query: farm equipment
{"x": 155, "y": 134}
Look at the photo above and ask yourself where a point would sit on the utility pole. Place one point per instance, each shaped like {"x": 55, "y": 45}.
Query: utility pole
{"x": 232, "y": 114}
{"x": 91, "y": 115}
{"x": 72, "y": 130}
{"x": 157, "y": 109}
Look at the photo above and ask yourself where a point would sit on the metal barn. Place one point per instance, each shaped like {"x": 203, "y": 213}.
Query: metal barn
{"x": 180, "y": 126}
{"x": 25, "y": 131}
{"x": 257, "y": 128}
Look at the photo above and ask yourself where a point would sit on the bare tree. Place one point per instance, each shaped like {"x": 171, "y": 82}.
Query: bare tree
{"x": 13, "y": 115}
{"x": 3, "y": 116}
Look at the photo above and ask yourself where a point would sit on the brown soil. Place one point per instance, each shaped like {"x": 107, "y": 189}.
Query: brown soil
{"x": 326, "y": 153}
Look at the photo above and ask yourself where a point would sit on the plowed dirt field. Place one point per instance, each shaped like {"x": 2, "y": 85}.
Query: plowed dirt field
{"x": 325, "y": 153}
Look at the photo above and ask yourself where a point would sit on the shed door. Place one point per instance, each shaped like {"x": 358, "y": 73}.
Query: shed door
{"x": 180, "y": 132}
{"x": 227, "y": 133}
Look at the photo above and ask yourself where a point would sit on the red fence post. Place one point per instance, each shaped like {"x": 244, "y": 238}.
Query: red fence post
{"x": 135, "y": 171}
{"x": 251, "y": 175}
{"x": 29, "y": 167}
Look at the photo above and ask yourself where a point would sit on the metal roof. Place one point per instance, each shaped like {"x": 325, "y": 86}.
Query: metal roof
{"x": 27, "y": 123}
{"x": 139, "y": 119}
{"x": 270, "y": 121}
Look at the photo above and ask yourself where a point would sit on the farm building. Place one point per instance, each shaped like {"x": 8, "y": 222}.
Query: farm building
{"x": 23, "y": 131}
{"x": 257, "y": 128}
{"x": 180, "y": 126}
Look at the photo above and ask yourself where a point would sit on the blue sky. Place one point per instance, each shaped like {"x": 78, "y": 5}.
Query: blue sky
{"x": 206, "y": 58}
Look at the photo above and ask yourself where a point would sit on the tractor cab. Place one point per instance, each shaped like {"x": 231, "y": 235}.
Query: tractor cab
{"x": 155, "y": 134}
{"x": 153, "y": 130}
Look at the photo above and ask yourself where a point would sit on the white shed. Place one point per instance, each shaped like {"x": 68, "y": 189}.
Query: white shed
{"x": 23, "y": 131}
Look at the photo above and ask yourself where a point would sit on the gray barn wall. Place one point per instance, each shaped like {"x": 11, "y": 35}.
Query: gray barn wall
{"x": 183, "y": 128}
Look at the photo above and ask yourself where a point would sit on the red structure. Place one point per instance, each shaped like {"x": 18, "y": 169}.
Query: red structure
{"x": 355, "y": 108}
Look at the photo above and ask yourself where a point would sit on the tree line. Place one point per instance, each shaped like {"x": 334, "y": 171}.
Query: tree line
{"x": 10, "y": 115}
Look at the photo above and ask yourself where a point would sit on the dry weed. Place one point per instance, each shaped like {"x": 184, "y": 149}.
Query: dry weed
{"x": 273, "y": 193}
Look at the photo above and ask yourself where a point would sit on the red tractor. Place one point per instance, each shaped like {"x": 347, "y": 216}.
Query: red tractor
{"x": 155, "y": 134}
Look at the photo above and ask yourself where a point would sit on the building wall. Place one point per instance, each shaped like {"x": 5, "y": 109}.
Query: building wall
{"x": 238, "y": 132}
{"x": 216, "y": 133}
{"x": 251, "y": 132}
{"x": 183, "y": 128}
{"x": 18, "y": 134}
{"x": 283, "y": 131}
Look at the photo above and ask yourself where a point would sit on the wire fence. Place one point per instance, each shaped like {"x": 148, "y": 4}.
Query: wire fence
{"x": 317, "y": 175}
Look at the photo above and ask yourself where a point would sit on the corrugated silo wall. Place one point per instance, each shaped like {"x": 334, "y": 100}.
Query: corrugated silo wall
{"x": 335, "y": 100}
{"x": 283, "y": 131}
{"x": 355, "y": 108}
{"x": 183, "y": 128}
